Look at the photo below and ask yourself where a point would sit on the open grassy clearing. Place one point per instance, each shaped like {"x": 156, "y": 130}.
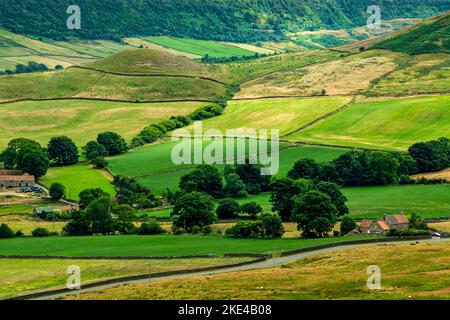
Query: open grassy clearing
{"x": 344, "y": 76}
{"x": 408, "y": 272}
{"x": 153, "y": 88}
{"x": 77, "y": 178}
{"x": 423, "y": 73}
{"x": 285, "y": 115}
{"x": 201, "y": 47}
{"x": 18, "y": 277}
{"x": 79, "y": 119}
{"x": 392, "y": 124}
{"x": 428, "y": 201}
{"x": 56, "y": 84}
{"x": 154, "y": 164}
{"x": 141, "y": 43}
{"x": 443, "y": 174}
{"x": 162, "y": 245}
{"x": 249, "y": 47}
{"x": 440, "y": 226}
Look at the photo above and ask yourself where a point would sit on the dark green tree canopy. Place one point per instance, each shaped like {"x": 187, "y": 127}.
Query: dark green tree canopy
{"x": 57, "y": 191}
{"x": 113, "y": 143}
{"x": 194, "y": 209}
{"x": 89, "y": 195}
{"x": 227, "y": 209}
{"x": 93, "y": 150}
{"x": 62, "y": 150}
{"x": 205, "y": 178}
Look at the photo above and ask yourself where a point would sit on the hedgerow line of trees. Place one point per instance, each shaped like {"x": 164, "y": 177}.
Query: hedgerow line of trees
{"x": 31, "y": 67}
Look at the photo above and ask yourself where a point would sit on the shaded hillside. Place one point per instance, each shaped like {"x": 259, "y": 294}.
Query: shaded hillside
{"x": 233, "y": 20}
{"x": 431, "y": 36}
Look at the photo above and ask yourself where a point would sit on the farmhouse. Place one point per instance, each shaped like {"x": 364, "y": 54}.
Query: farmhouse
{"x": 11, "y": 180}
{"x": 382, "y": 226}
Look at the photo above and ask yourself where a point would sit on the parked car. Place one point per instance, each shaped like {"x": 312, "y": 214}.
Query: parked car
{"x": 436, "y": 234}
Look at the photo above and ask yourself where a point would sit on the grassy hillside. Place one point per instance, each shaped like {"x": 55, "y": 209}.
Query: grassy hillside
{"x": 286, "y": 115}
{"x": 348, "y": 75}
{"x": 431, "y": 36}
{"x": 392, "y": 124}
{"x": 82, "y": 120}
{"x": 408, "y": 272}
{"x": 77, "y": 178}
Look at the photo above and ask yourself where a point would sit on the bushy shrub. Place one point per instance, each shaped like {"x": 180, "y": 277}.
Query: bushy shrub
{"x": 246, "y": 229}
{"x": 169, "y": 124}
{"x": 227, "y": 209}
{"x": 252, "y": 209}
{"x": 407, "y": 232}
{"x": 150, "y": 134}
{"x": 347, "y": 225}
{"x": 272, "y": 225}
{"x": 99, "y": 163}
{"x": 150, "y": 228}
{"x": 40, "y": 232}
{"x": 5, "y": 231}
{"x": 137, "y": 142}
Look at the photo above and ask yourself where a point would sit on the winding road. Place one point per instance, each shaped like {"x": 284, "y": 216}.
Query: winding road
{"x": 258, "y": 265}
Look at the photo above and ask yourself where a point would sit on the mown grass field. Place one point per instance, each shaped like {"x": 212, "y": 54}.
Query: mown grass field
{"x": 392, "y": 124}
{"x": 92, "y": 48}
{"x": 77, "y": 178}
{"x": 407, "y": 272}
{"x": 153, "y": 165}
{"x": 27, "y": 224}
{"x": 163, "y": 245}
{"x": 19, "y": 276}
{"x": 83, "y": 120}
{"x": 153, "y": 88}
{"x": 201, "y": 47}
{"x": 342, "y": 76}
{"x": 285, "y": 115}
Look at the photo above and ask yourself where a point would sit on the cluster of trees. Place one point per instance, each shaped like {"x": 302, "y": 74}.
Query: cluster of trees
{"x": 32, "y": 66}
{"x": 130, "y": 192}
{"x": 360, "y": 168}
{"x": 6, "y": 232}
{"x": 230, "y": 208}
{"x": 267, "y": 226}
{"x": 207, "y": 59}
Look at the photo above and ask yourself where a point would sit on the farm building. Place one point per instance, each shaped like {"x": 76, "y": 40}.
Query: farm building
{"x": 13, "y": 181}
{"x": 52, "y": 209}
{"x": 382, "y": 226}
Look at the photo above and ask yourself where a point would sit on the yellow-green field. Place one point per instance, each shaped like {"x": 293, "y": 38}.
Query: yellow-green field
{"x": 27, "y": 223}
{"x": 407, "y": 272}
{"x": 285, "y": 115}
{"x": 392, "y": 124}
{"x": 82, "y": 120}
{"x": 77, "y": 178}
{"x": 21, "y": 276}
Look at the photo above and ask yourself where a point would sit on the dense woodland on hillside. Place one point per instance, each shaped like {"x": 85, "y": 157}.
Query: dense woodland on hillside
{"x": 233, "y": 20}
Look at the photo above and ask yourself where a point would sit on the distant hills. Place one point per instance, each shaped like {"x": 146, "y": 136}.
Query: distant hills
{"x": 230, "y": 20}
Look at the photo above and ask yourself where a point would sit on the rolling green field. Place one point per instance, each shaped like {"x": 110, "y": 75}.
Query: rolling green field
{"x": 408, "y": 272}
{"x": 392, "y": 124}
{"x": 153, "y": 88}
{"x": 79, "y": 119}
{"x": 92, "y": 48}
{"x": 18, "y": 277}
{"x": 164, "y": 245}
{"x": 201, "y": 47}
{"x": 77, "y": 178}
{"x": 285, "y": 115}
{"x": 153, "y": 166}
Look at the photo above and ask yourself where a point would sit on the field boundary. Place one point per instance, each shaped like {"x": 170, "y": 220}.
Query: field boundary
{"x": 35, "y": 295}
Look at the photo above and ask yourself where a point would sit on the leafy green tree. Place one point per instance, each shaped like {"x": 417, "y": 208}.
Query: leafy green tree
{"x": 251, "y": 175}
{"x": 252, "y": 209}
{"x": 99, "y": 163}
{"x": 431, "y": 155}
{"x": 273, "y": 225}
{"x": 194, "y": 209}
{"x": 234, "y": 187}
{"x": 62, "y": 150}
{"x": 113, "y": 143}
{"x": 314, "y": 213}
{"x": 150, "y": 134}
{"x": 98, "y": 215}
{"x": 348, "y": 224}
{"x": 57, "y": 191}
{"x": 124, "y": 219}
{"x": 89, "y": 195}
{"x": 93, "y": 150}
{"x": 205, "y": 178}
{"x": 337, "y": 197}
{"x": 34, "y": 162}
{"x": 227, "y": 209}
{"x": 247, "y": 229}
{"x": 151, "y": 228}
{"x": 304, "y": 168}
{"x": 5, "y": 231}
{"x": 40, "y": 232}
{"x": 415, "y": 222}
{"x": 383, "y": 168}
{"x": 78, "y": 226}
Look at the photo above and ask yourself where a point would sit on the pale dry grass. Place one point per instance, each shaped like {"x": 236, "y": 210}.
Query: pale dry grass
{"x": 444, "y": 174}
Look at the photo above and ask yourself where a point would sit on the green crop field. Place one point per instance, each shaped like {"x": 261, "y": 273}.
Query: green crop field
{"x": 163, "y": 245}
{"x": 153, "y": 88}
{"x": 77, "y": 178}
{"x": 285, "y": 115}
{"x": 20, "y": 276}
{"x": 154, "y": 167}
{"x": 408, "y": 273}
{"x": 93, "y": 48}
{"x": 201, "y": 47}
{"x": 392, "y": 124}
{"x": 79, "y": 119}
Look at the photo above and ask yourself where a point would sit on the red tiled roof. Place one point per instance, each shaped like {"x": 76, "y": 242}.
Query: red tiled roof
{"x": 383, "y": 225}
{"x": 400, "y": 218}
{"x": 365, "y": 224}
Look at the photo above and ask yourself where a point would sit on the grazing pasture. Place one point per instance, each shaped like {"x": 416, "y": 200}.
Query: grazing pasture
{"x": 391, "y": 124}
{"x": 83, "y": 120}
{"x": 409, "y": 272}
{"x": 77, "y": 178}
{"x": 18, "y": 276}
